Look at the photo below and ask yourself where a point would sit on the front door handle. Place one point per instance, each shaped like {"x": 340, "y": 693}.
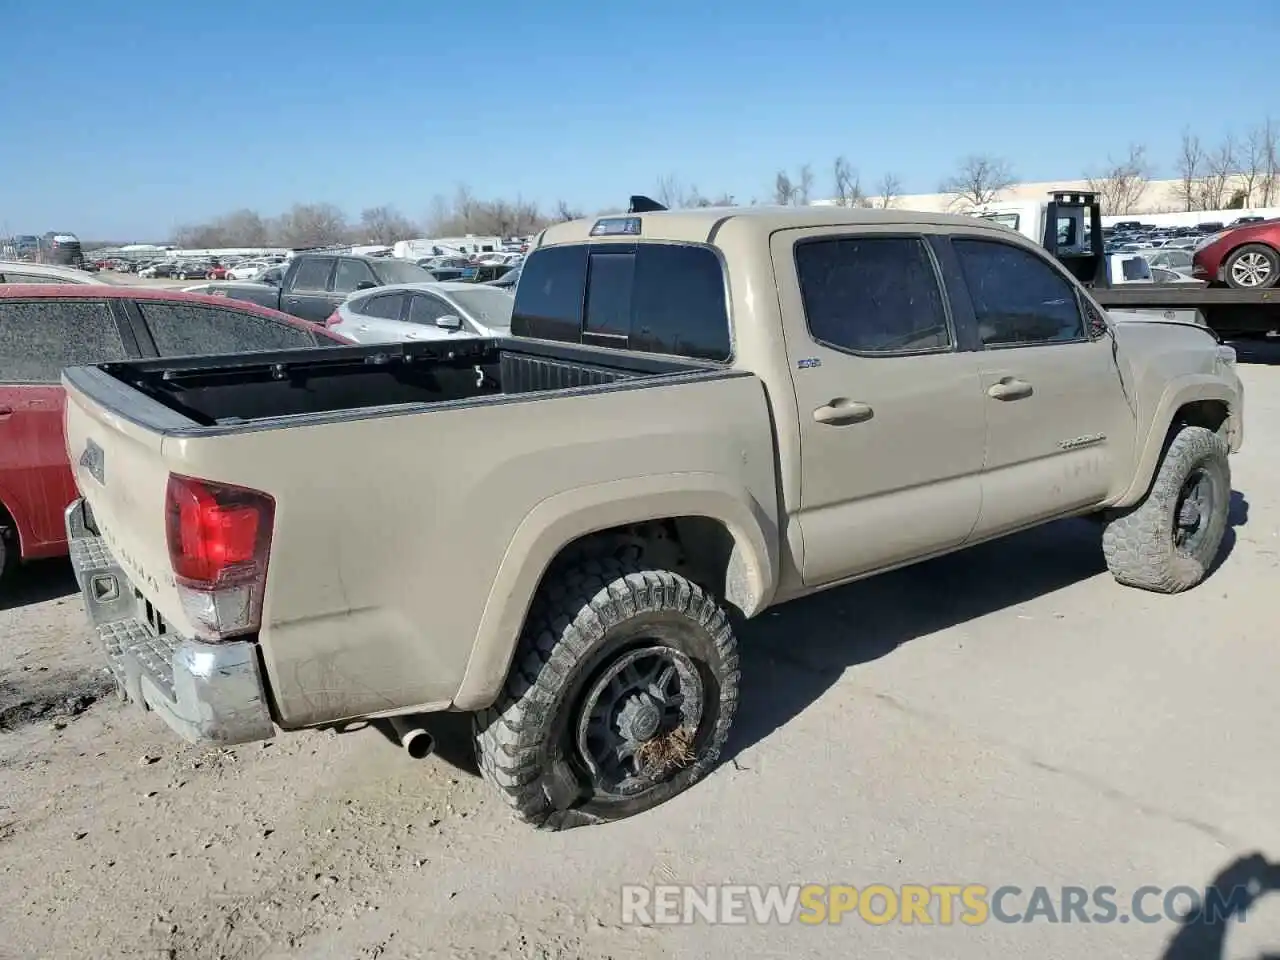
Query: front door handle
{"x": 1009, "y": 388}
{"x": 843, "y": 410}
{"x": 6, "y": 413}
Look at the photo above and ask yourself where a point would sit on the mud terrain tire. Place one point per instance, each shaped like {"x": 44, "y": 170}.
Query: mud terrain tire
{"x": 590, "y": 632}
{"x": 1169, "y": 541}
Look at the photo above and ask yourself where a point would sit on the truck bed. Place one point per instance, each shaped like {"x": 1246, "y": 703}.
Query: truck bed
{"x": 414, "y": 493}
{"x": 230, "y": 391}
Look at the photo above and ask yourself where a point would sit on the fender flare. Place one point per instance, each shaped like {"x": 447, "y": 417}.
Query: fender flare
{"x": 561, "y": 519}
{"x": 1177, "y": 394}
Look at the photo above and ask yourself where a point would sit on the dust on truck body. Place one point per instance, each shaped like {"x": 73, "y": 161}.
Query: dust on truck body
{"x": 702, "y": 414}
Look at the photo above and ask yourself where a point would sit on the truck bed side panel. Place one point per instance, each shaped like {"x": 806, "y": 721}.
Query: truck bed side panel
{"x": 392, "y": 529}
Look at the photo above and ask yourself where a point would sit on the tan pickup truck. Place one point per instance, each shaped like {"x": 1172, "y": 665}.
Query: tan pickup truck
{"x": 701, "y": 414}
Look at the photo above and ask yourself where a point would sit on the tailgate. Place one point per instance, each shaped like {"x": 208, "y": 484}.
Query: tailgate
{"x": 120, "y": 469}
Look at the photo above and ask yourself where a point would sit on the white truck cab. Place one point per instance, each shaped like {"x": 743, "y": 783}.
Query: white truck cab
{"x": 1073, "y": 229}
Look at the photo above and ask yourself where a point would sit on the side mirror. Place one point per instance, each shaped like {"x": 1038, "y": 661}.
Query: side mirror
{"x": 269, "y": 280}
{"x": 365, "y": 285}
{"x": 449, "y": 322}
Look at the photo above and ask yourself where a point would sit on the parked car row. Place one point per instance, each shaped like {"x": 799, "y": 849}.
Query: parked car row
{"x": 1244, "y": 254}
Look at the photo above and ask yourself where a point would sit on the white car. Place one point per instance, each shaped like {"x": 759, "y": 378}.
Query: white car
{"x": 247, "y": 270}
{"x": 424, "y": 311}
{"x": 19, "y": 271}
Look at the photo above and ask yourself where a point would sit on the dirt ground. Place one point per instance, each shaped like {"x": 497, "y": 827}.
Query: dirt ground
{"x": 1008, "y": 715}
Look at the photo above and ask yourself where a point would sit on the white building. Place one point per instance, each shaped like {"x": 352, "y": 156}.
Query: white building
{"x": 1160, "y": 197}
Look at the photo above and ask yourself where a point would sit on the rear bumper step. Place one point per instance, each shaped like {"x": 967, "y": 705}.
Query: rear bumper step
{"x": 205, "y": 692}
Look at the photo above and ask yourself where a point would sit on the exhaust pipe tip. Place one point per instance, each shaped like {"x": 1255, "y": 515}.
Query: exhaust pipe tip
{"x": 416, "y": 741}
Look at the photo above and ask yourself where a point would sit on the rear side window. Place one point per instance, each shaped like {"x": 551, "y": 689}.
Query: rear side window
{"x": 876, "y": 295}
{"x": 653, "y": 297}
{"x": 31, "y": 278}
{"x": 313, "y": 274}
{"x": 186, "y": 330}
{"x": 40, "y": 337}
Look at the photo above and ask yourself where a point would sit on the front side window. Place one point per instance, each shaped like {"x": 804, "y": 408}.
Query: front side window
{"x": 38, "y": 338}
{"x": 1018, "y": 297}
{"x": 873, "y": 295}
{"x": 352, "y": 273}
{"x": 385, "y": 307}
{"x": 184, "y": 330}
{"x": 426, "y": 309}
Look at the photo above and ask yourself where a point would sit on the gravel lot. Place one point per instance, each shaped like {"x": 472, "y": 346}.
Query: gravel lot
{"x": 1004, "y": 716}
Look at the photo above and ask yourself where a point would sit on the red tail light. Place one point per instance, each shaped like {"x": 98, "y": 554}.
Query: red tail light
{"x": 219, "y": 540}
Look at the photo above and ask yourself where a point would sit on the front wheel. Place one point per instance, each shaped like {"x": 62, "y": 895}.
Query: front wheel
{"x": 1168, "y": 542}
{"x": 620, "y": 696}
{"x": 1255, "y": 266}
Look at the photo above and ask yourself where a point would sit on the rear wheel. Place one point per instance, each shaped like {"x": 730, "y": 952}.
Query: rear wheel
{"x": 621, "y": 695}
{"x": 1255, "y": 266}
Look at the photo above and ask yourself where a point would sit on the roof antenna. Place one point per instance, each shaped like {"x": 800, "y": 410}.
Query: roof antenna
{"x": 643, "y": 204}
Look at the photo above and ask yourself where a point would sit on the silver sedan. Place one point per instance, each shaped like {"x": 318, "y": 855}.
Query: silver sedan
{"x": 424, "y": 311}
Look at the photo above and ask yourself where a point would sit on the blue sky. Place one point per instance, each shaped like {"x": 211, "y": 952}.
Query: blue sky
{"x": 120, "y": 120}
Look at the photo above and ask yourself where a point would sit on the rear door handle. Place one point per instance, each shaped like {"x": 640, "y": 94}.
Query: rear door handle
{"x": 6, "y": 413}
{"x": 843, "y": 410}
{"x": 1009, "y": 388}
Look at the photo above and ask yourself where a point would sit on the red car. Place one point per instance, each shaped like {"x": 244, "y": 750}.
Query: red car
{"x": 216, "y": 272}
{"x": 1245, "y": 257}
{"x": 45, "y": 327}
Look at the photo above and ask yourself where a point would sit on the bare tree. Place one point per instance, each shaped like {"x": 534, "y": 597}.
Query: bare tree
{"x": 804, "y": 186}
{"x": 1220, "y": 167}
{"x": 1191, "y": 170}
{"x": 670, "y": 191}
{"x": 979, "y": 179}
{"x": 1121, "y": 186}
{"x": 385, "y": 225}
{"x": 784, "y": 192}
{"x": 437, "y": 215}
{"x": 564, "y": 212}
{"x": 312, "y": 225}
{"x": 240, "y": 228}
{"x": 890, "y": 188}
{"x": 1268, "y": 138}
{"x": 847, "y": 183}
{"x": 245, "y": 228}
{"x": 465, "y": 205}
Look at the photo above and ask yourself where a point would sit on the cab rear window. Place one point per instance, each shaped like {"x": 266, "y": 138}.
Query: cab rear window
{"x": 652, "y": 297}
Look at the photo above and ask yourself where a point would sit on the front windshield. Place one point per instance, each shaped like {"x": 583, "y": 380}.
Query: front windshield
{"x": 402, "y": 271}
{"x": 490, "y": 307}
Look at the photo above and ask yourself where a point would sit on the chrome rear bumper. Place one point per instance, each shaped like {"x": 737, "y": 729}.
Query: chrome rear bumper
{"x": 205, "y": 692}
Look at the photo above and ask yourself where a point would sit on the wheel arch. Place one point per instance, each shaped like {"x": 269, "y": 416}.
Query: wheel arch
{"x": 1202, "y": 401}
{"x": 731, "y": 539}
{"x": 16, "y": 522}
